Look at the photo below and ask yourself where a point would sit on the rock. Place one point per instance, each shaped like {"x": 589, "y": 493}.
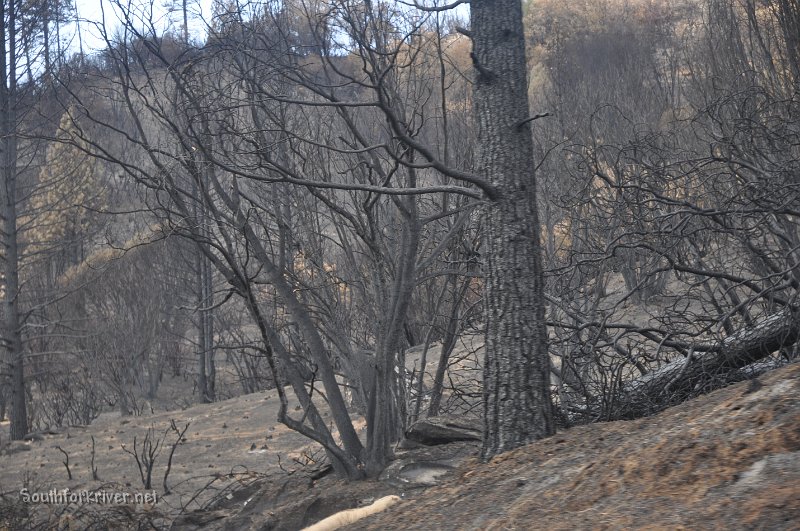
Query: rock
{"x": 411, "y": 474}
{"x": 424, "y": 474}
{"x": 443, "y": 430}
{"x": 408, "y": 444}
{"x": 426, "y": 466}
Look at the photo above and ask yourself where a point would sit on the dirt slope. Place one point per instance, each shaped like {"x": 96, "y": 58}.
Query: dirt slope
{"x": 229, "y": 445}
{"x": 728, "y": 460}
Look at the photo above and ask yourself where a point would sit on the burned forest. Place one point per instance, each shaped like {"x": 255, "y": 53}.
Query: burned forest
{"x": 251, "y": 249}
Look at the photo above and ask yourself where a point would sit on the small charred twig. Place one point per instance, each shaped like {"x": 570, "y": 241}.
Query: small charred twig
{"x": 66, "y": 461}
{"x": 214, "y": 478}
{"x": 146, "y": 457}
{"x": 178, "y": 441}
{"x": 92, "y": 467}
{"x": 431, "y": 9}
{"x": 280, "y": 465}
{"x": 532, "y": 118}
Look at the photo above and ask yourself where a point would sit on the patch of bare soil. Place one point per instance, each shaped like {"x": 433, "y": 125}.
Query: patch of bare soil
{"x": 229, "y": 447}
{"x": 299, "y": 500}
{"x": 728, "y": 460}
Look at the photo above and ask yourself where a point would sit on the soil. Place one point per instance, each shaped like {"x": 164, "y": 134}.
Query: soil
{"x": 229, "y": 446}
{"x": 727, "y": 460}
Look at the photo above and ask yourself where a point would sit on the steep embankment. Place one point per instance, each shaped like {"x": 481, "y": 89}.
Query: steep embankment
{"x": 728, "y": 460}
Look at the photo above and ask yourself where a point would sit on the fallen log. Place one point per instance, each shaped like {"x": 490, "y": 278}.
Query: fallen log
{"x": 351, "y": 516}
{"x": 443, "y": 430}
{"x": 708, "y": 362}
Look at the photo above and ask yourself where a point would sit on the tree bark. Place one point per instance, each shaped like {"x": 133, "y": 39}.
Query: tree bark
{"x": 11, "y": 331}
{"x": 448, "y": 344}
{"x": 205, "y": 330}
{"x": 517, "y": 405}
{"x": 206, "y": 381}
{"x": 384, "y": 417}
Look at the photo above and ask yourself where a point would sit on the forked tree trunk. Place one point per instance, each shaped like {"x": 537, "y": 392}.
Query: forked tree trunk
{"x": 517, "y": 405}
{"x": 384, "y": 414}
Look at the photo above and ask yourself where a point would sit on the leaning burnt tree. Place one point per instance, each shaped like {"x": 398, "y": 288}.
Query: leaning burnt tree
{"x": 692, "y": 199}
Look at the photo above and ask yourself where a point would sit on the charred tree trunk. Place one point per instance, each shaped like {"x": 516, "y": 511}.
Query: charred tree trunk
{"x": 206, "y": 381}
{"x": 205, "y": 330}
{"x": 202, "y": 378}
{"x": 11, "y": 331}
{"x": 517, "y": 405}
{"x": 448, "y": 344}
{"x": 384, "y": 416}
{"x": 207, "y": 327}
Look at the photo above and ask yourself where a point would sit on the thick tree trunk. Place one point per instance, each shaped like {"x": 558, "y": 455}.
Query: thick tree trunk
{"x": 10, "y": 327}
{"x": 708, "y": 361}
{"x": 517, "y": 405}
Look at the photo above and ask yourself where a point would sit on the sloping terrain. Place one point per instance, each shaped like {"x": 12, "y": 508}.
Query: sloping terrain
{"x": 730, "y": 459}
{"x": 727, "y": 460}
{"x": 228, "y": 446}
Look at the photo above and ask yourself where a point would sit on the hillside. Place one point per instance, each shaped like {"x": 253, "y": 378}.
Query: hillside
{"x": 730, "y": 459}
{"x": 727, "y": 460}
